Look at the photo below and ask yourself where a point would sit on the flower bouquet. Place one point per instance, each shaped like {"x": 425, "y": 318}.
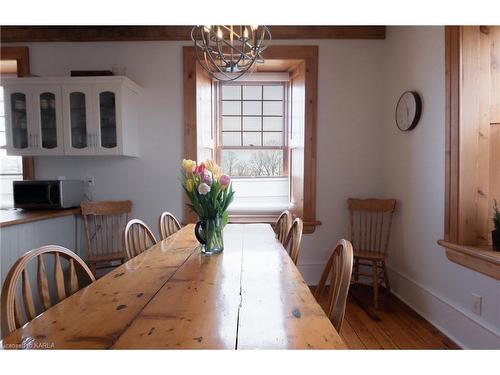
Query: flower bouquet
{"x": 210, "y": 193}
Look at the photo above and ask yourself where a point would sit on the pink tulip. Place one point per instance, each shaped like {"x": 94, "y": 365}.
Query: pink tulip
{"x": 224, "y": 180}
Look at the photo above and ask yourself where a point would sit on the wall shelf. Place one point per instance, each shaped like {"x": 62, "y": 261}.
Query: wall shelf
{"x": 476, "y": 257}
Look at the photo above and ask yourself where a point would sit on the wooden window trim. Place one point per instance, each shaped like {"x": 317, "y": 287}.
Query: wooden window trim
{"x": 21, "y": 55}
{"x": 460, "y": 245}
{"x": 307, "y": 54}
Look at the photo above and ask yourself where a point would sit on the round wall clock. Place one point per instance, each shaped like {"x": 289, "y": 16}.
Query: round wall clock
{"x": 408, "y": 110}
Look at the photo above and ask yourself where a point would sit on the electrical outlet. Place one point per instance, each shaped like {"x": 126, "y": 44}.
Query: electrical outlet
{"x": 476, "y": 303}
{"x": 90, "y": 181}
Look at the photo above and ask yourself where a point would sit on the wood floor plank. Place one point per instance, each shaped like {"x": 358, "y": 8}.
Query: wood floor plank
{"x": 393, "y": 325}
{"x": 350, "y": 337}
{"x": 383, "y": 339}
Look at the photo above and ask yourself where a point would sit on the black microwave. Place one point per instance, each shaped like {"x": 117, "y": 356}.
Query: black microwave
{"x": 48, "y": 194}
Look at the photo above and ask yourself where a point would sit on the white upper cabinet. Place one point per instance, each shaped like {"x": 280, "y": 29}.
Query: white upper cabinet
{"x": 72, "y": 116}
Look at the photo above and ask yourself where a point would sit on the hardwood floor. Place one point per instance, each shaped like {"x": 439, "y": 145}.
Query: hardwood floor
{"x": 394, "y": 325}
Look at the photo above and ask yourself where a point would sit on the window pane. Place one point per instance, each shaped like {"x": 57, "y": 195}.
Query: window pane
{"x": 252, "y": 108}
{"x": 273, "y": 108}
{"x": 231, "y": 123}
{"x": 273, "y": 92}
{"x": 252, "y": 92}
{"x": 2, "y": 121}
{"x": 273, "y": 123}
{"x": 231, "y": 108}
{"x": 252, "y": 139}
{"x": 231, "y": 138}
{"x": 273, "y": 139}
{"x": 252, "y": 123}
{"x": 252, "y": 162}
{"x": 231, "y": 92}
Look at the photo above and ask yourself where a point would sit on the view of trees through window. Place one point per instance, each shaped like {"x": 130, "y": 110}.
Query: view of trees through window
{"x": 252, "y": 129}
{"x": 258, "y": 163}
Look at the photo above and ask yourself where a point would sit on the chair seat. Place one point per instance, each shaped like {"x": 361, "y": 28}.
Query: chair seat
{"x": 365, "y": 254}
{"x": 106, "y": 257}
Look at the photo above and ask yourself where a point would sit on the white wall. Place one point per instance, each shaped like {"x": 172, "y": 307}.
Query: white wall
{"x": 414, "y": 173}
{"x": 349, "y": 137}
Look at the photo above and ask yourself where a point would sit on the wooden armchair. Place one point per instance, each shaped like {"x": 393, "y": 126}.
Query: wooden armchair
{"x": 168, "y": 225}
{"x": 339, "y": 269}
{"x": 137, "y": 238}
{"x": 371, "y": 222}
{"x": 282, "y": 226}
{"x": 16, "y": 311}
{"x": 104, "y": 224}
{"x": 294, "y": 239}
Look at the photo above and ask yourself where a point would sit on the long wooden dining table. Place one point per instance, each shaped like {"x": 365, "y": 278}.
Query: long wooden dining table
{"x": 250, "y": 296}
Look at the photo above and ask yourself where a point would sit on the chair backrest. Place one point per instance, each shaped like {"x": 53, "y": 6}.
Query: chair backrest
{"x": 371, "y": 221}
{"x": 168, "y": 225}
{"x": 13, "y": 316}
{"x": 104, "y": 223}
{"x": 339, "y": 266}
{"x": 138, "y": 238}
{"x": 282, "y": 226}
{"x": 293, "y": 239}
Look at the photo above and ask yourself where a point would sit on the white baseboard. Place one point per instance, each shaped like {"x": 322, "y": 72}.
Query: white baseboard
{"x": 461, "y": 326}
{"x": 465, "y": 329}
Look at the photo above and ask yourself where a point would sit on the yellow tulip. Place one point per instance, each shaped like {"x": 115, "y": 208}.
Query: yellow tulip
{"x": 189, "y": 185}
{"x": 188, "y": 165}
{"x": 212, "y": 166}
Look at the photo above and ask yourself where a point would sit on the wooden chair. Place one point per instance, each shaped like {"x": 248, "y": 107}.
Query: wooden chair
{"x": 104, "y": 223}
{"x": 339, "y": 266}
{"x": 371, "y": 222}
{"x": 138, "y": 238}
{"x": 168, "y": 225}
{"x": 293, "y": 239}
{"x": 282, "y": 226}
{"x": 13, "y": 316}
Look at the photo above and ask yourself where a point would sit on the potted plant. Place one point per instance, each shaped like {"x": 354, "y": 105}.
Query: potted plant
{"x": 210, "y": 192}
{"x": 495, "y": 234}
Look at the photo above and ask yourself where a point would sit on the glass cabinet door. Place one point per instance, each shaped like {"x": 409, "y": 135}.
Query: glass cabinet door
{"x": 48, "y": 123}
{"x": 19, "y": 120}
{"x": 107, "y": 116}
{"x": 78, "y": 119}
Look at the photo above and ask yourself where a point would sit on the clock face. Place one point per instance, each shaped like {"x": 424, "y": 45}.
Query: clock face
{"x": 408, "y": 110}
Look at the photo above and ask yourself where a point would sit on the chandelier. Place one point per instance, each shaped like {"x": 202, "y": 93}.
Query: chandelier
{"x": 228, "y": 52}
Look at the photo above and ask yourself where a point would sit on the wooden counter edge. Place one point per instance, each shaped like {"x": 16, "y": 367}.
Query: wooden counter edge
{"x": 16, "y": 217}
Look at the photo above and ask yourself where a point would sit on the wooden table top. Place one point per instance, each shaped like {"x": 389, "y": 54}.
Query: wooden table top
{"x": 251, "y": 296}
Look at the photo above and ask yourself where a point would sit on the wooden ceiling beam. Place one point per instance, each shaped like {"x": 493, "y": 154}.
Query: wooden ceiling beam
{"x": 24, "y": 34}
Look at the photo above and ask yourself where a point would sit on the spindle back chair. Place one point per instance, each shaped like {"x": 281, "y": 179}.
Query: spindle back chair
{"x": 138, "y": 238}
{"x": 16, "y": 311}
{"x": 168, "y": 225}
{"x": 371, "y": 223}
{"x": 104, "y": 223}
{"x": 282, "y": 226}
{"x": 339, "y": 268}
{"x": 293, "y": 239}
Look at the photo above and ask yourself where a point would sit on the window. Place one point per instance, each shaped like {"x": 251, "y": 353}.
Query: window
{"x": 250, "y": 120}
{"x": 252, "y": 137}
{"x": 473, "y": 144}
{"x": 11, "y": 167}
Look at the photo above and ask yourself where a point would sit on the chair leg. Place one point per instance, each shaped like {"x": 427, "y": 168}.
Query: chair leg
{"x": 386, "y": 277}
{"x": 375, "y": 284}
{"x": 356, "y": 269}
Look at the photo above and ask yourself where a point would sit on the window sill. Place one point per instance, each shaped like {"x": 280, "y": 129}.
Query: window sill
{"x": 482, "y": 259}
{"x": 309, "y": 226}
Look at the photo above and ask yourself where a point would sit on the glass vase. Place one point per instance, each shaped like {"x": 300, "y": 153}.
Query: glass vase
{"x": 208, "y": 232}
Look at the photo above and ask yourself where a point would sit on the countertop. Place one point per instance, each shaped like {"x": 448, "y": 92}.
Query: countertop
{"x": 14, "y": 216}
